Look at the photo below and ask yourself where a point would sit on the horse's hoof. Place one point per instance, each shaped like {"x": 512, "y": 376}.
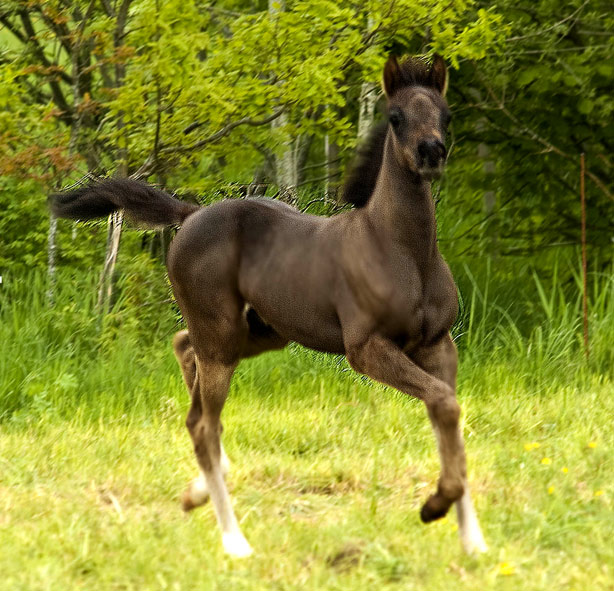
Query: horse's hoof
{"x": 436, "y": 507}
{"x": 196, "y": 494}
{"x": 473, "y": 541}
{"x": 474, "y": 547}
{"x": 186, "y": 501}
{"x": 236, "y": 546}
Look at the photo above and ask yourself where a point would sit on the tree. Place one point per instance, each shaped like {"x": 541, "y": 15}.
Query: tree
{"x": 190, "y": 91}
{"x": 541, "y": 102}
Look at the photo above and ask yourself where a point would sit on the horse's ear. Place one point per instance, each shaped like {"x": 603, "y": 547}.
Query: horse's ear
{"x": 393, "y": 78}
{"x": 438, "y": 76}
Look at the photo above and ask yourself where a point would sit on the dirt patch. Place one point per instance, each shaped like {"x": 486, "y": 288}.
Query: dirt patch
{"x": 349, "y": 557}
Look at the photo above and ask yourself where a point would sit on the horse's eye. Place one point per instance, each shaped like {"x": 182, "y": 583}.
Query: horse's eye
{"x": 395, "y": 119}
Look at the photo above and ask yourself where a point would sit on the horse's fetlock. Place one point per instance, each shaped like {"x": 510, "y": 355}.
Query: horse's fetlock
{"x": 451, "y": 490}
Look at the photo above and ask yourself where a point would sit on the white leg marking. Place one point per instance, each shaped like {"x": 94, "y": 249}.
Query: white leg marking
{"x": 224, "y": 461}
{"x": 468, "y": 525}
{"x": 233, "y": 540}
{"x": 236, "y": 545}
{"x": 198, "y": 491}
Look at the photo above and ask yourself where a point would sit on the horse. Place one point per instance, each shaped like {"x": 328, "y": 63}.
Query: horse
{"x": 252, "y": 275}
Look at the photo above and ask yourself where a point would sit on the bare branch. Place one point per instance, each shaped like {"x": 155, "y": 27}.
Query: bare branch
{"x": 221, "y": 133}
{"x": 153, "y": 160}
{"x": 525, "y": 130}
{"x": 551, "y": 27}
{"x": 56, "y": 91}
{"x": 108, "y": 8}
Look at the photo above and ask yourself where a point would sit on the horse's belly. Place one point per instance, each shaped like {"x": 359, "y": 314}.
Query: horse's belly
{"x": 316, "y": 327}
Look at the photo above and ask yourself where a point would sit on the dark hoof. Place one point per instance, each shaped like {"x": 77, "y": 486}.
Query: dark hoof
{"x": 435, "y": 508}
{"x": 187, "y": 504}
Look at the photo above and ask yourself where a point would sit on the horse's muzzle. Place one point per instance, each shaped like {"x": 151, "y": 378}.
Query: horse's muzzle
{"x": 431, "y": 157}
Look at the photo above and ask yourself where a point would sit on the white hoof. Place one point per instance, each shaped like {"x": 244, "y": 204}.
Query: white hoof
{"x": 474, "y": 544}
{"x": 236, "y": 545}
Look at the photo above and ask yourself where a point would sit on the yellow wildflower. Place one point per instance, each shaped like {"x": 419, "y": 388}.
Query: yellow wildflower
{"x": 531, "y": 446}
{"x": 550, "y": 490}
{"x": 546, "y": 461}
{"x": 564, "y": 470}
{"x": 592, "y": 444}
{"x": 598, "y": 493}
{"x": 506, "y": 569}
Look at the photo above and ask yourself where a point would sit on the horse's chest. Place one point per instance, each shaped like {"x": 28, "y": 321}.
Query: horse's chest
{"x": 425, "y": 311}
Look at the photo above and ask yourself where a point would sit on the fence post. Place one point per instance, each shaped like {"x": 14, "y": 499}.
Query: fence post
{"x": 584, "y": 273}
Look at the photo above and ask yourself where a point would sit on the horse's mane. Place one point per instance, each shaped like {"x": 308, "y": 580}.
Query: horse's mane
{"x": 361, "y": 179}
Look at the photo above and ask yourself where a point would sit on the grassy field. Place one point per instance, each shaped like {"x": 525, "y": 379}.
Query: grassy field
{"x": 329, "y": 470}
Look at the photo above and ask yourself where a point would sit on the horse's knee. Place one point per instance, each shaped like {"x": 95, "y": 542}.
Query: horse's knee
{"x": 445, "y": 409}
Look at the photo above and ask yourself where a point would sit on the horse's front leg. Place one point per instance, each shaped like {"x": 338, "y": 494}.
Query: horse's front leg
{"x": 441, "y": 361}
{"x": 380, "y": 359}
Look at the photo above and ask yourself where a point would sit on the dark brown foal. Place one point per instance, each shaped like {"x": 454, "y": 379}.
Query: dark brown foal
{"x": 252, "y": 275}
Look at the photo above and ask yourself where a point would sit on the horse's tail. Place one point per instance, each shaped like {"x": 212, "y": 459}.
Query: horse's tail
{"x": 141, "y": 202}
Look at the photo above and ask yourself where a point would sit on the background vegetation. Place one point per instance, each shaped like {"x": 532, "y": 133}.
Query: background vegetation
{"x": 231, "y": 99}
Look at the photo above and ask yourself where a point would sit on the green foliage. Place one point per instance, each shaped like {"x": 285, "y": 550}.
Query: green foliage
{"x": 63, "y": 355}
{"x": 524, "y": 117}
{"x": 23, "y": 226}
{"x": 178, "y": 64}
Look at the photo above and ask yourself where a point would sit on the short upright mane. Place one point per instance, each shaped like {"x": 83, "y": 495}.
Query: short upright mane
{"x": 414, "y": 72}
{"x": 364, "y": 171}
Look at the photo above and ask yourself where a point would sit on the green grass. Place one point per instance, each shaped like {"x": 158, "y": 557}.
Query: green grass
{"x": 329, "y": 470}
{"x": 328, "y": 474}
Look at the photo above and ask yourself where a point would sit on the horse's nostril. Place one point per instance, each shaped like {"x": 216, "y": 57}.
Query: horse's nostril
{"x": 431, "y": 153}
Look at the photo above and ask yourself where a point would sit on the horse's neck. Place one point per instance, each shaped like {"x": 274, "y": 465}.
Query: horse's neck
{"x": 402, "y": 208}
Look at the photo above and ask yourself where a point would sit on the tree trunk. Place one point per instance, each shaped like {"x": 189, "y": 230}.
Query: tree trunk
{"x": 366, "y": 106}
{"x": 51, "y": 251}
{"x": 105, "y": 286}
{"x": 490, "y": 197}
{"x": 331, "y": 154}
{"x": 366, "y": 102}
{"x": 286, "y": 176}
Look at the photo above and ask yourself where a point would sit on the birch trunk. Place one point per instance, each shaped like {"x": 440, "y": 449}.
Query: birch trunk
{"x": 286, "y": 170}
{"x": 366, "y": 102}
{"x": 51, "y": 251}
{"x": 331, "y": 155}
{"x": 105, "y": 285}
{"x": 366, "y": 106}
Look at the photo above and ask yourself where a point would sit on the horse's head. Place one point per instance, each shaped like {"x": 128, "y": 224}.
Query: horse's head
{"x": 418, "y": 114}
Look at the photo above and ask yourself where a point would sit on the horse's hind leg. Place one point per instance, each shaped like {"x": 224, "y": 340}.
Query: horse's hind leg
{"x": 208, "y": 396}
{"x": 197, "y": 493}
